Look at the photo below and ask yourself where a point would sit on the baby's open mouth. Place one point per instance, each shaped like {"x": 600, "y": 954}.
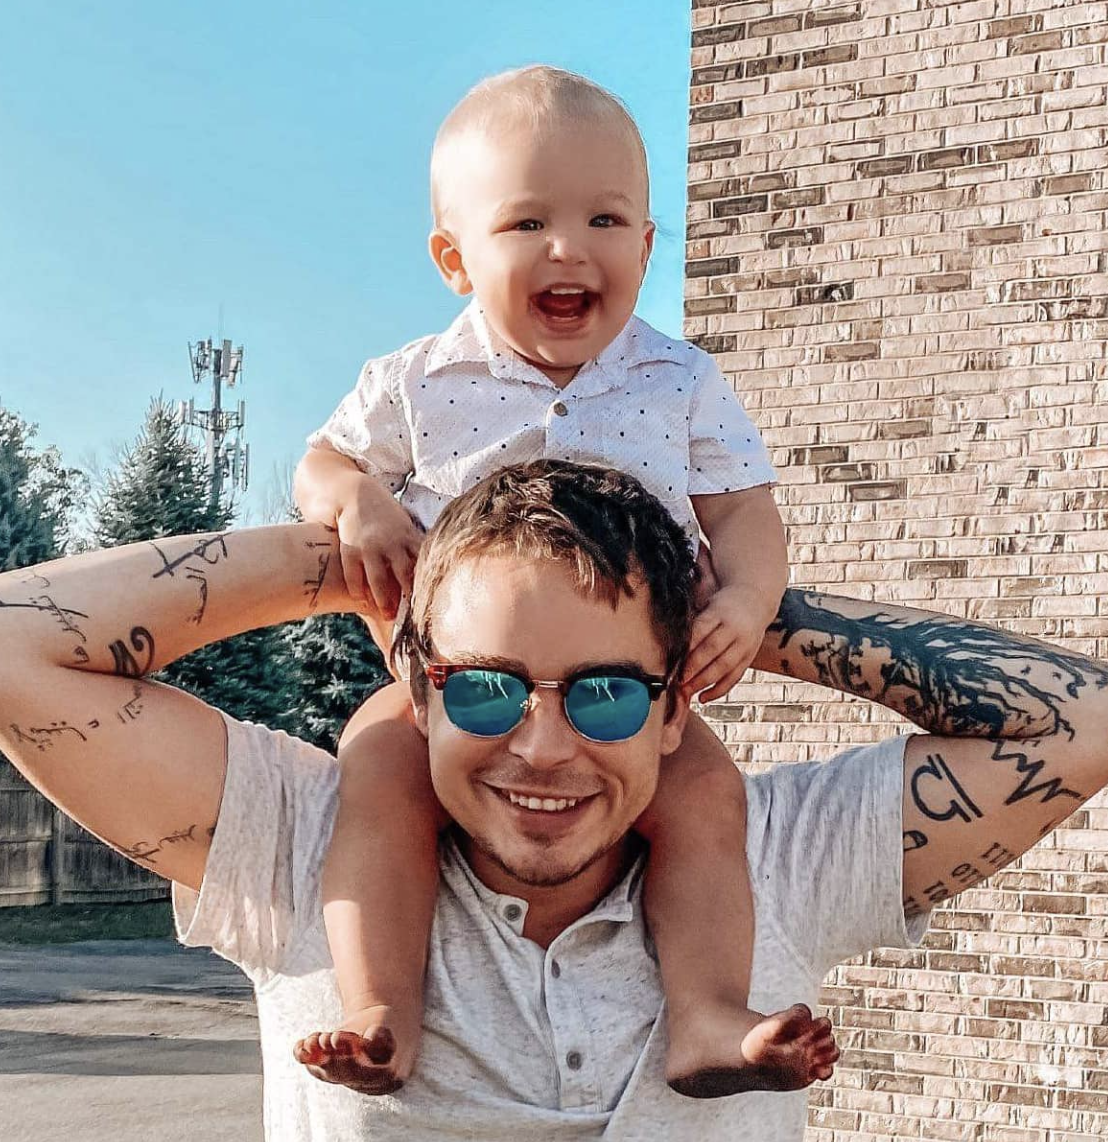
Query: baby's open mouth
{"x": 564, "y": 303}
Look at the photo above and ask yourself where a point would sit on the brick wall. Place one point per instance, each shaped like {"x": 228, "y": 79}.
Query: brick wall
{"x": 898, "y": 248}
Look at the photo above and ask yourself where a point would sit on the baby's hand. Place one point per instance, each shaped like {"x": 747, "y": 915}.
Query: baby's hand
{"x": 378, "y": 544}
{"x": 725, "y": 638}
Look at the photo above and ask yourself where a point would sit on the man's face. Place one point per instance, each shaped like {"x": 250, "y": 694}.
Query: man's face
{"x": 511, "y": 613}
{"x": 553, "y": 235}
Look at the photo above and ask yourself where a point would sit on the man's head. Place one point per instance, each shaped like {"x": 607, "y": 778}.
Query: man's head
{"x": 547, "y": 570}
{"x": 541, "y": 203}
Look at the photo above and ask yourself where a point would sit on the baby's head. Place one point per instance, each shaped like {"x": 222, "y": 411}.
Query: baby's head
{"x": 541, "y": 202}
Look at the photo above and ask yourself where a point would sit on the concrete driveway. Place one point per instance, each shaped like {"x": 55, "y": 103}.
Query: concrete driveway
{"x": 114, "y": 1040}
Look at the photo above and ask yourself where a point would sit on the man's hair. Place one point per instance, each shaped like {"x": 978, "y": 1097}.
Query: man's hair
{"x": 537, "y": 97}
{"x": 600, "y": 524}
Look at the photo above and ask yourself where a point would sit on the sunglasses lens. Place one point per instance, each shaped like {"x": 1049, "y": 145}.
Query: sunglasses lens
{"x": 608, "y": 708}
{"x": 486, "y": 703}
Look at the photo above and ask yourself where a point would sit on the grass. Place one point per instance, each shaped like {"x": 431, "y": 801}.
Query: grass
{"x": 68, "y": 923}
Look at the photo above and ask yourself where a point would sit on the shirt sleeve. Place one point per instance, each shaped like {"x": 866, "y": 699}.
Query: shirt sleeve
{"x": 726, "y": 453}
{"x": 826, "y": 851}
{"x": 370, "y": 426}
{"x": 261, "y": 885}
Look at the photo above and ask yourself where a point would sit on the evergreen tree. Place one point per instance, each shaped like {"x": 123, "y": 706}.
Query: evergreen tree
{"x": 162, "y": 488}
{"x": 36, "y": 495}
{"x": 335, "y": 666}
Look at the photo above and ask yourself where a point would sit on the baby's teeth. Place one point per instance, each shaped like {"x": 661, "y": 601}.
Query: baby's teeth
{"x": 557, "y": 290}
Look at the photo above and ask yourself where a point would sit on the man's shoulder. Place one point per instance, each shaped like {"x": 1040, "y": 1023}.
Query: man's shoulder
{"x": 833, "y": 787}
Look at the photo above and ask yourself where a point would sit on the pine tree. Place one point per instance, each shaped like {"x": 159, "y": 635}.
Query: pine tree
{"x": 36, "y": 494}
{"x": 162, "y": 488}
{"x": 336, "y": 666}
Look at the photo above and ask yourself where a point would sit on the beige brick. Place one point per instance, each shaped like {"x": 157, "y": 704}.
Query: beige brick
{"x": 918, "y": 326}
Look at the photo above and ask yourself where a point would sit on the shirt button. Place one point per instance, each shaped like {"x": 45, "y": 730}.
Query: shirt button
{"x": 573, "y": 1060}
{"x": 560, "y": 409}
{"x": 555, "y": 968}
{"x": 512, "y": 913}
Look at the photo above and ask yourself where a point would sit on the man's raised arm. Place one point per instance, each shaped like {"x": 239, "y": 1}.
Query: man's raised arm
{"x": 1017, "y": 729}
{"x": 138, "y": 763}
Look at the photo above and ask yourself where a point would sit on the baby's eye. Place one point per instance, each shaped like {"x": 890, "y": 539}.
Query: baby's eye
{"x": 605, "y": 220}
{"x": 528, "y": 225}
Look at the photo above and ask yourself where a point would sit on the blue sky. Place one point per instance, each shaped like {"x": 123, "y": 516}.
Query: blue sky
{"x": 166, "y": 164}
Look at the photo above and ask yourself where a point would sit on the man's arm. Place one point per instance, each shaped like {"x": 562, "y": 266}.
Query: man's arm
{"x": 1017, "y": 729}
{"x": 140, "y": 764}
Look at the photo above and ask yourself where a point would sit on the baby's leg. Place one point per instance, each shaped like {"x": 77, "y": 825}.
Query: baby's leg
{"x": 380, "y": 881}
{"x": 701, "y": 915}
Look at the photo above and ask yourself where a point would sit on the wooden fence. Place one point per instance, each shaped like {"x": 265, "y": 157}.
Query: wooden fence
{"x": 47, "y": 859}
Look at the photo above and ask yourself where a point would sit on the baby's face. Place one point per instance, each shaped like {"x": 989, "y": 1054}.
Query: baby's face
{"x": 552, "y": 233}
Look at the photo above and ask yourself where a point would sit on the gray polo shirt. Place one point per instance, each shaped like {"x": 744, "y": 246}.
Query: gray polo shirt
{"x": 522, "y": 1043}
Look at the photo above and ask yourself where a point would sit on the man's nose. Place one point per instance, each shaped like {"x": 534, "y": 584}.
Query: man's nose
{"x": 544, "y": 739}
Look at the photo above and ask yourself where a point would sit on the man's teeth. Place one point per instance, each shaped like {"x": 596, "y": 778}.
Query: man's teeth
{"x": 545, "y": 804}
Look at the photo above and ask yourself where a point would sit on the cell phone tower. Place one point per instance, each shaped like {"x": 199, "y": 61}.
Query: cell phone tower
{"x": 227, "y": 453}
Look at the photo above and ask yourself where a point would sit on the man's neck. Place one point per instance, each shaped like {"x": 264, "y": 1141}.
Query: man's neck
{"x": 551, "y": 909}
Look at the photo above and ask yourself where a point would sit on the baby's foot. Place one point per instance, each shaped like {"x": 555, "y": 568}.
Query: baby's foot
{"x": 728, "y": 1050}
{"x": 364, "y": 1054}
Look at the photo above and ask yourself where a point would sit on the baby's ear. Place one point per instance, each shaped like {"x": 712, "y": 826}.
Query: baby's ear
{"x": 649, "y": 231}
{"x": 447, "y": 256}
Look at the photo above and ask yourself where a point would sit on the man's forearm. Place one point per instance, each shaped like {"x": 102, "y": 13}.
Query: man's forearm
{"x": 133, "y": 609}
{"x": 947, "y": 675}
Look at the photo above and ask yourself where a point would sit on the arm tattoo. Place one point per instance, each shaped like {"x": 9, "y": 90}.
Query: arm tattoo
{"x": 941, "y": 797}
{"x": 126, "y": 664}
{"x": 949, "y": 677}
{"x": 205, "y": 553}
{"x": 145, "y": 852}
{"x": 314, "y": 585}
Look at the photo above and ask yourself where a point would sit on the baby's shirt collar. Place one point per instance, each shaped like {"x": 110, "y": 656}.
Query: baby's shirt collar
{"x": 470, "y": 340}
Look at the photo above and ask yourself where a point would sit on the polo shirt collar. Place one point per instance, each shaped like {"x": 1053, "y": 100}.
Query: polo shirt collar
{"x": 617, "y": 906}
{"x": 470, "y": 340}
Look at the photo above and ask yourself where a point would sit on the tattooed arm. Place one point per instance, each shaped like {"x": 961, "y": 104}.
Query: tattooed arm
{"x": 1017, "y": 729}
{"x": 138, "y": 763}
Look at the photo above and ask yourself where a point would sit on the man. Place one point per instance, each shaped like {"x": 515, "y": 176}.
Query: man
{"x": 543, "y": 1001}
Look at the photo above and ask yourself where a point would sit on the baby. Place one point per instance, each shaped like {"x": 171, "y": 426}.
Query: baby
{"x": 541, "y": 212}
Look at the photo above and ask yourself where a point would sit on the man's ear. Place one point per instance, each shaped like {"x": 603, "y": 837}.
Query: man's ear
{"x": 677, "y": 718}
{"x": 447, "y": 256}
{"x": 647, "y": 246}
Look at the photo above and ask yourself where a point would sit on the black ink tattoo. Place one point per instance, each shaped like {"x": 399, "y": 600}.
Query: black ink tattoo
{"x": 64, "y": 617}
{"x": 998, "y": 855}
{"x": 313, "y": 587}
{"x": 43, "y": 738}
{"x": 131, "y": 709}
{"x": 1028, "y": 770}
{"x": 146, "y": 851}
{"x": 47, "y": 604}
{"x": 957, "y": 804}
{"x": 206, "y": 553}
{"x": 40, "y": 582}
{"x": 914, "y": 839}
{"x": 126, "y": 664}
{"x": 966, "y": 875}
{"x": 937, "y": 892}
{"x": 949, "y": 677}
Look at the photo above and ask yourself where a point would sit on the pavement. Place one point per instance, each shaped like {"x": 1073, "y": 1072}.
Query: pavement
{"x": 114, "y": 1040}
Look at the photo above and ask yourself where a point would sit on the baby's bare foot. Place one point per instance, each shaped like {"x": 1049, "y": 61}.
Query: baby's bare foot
{"x": 728, "y": 1050}
{"x": 364, "y": 1054}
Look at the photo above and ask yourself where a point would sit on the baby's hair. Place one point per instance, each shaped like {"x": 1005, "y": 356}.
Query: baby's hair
{"x": 535, "y": 96}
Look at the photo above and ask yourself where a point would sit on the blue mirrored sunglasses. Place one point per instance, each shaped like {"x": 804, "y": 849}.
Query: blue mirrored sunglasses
{"x": 601, "y": 704}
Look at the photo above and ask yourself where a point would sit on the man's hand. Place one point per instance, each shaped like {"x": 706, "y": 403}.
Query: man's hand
{"x": 725, "y": 637}
{"x": 378, "y": 545}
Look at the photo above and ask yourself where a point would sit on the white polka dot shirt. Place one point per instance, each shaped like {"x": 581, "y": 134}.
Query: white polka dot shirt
{"x": 437, "y": 416}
